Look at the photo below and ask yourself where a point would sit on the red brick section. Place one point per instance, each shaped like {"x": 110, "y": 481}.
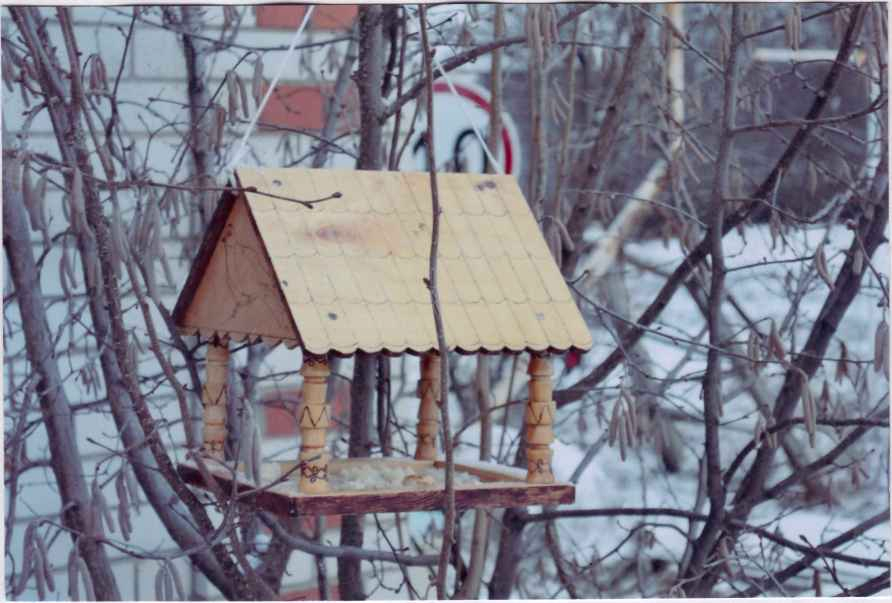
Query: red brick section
{"x": 303, "y": 106}
{"x": 308, "y": 525}
{"x": 337, "y": 17}
{"x": 329, "y": 522}
{"x": 280, "y": 422}
{"x": 311, "y": 594}
{"x": 279, "y": 409}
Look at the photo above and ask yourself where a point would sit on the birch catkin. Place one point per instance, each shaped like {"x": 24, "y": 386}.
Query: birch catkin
{"x": 63, "y": 276}
{"x": 123, "y": 506}
{"x": 613, "y": 429}
{"x": 257, "y": 81}
{"x": 93, "y": 269}
{"x": 121, "y": 489}
{"x": 623, "y": 435}
{"x": 775, "y": 345}
{"x": 824, "y": 399}
{"x": 812, "y": 178}
{"x": 7, "y": 74}
{"x": 250, "y": 445}
{"x": 27, "y": 187}
{"x": 842, "y": 364}
{"x": 39, "y": 576}
{"x": 45, "y": 567}
{"x": 124, "y": 521}
{"x": 100, "y": 510}
{"x": 858, "y": 262}
{"x": 808, "y": 409}
{"x": 119, "y": 246}
{"x": 772, "y": 436}
{"x": 630, "y": 430}
{"x": 28, "y": 564}
{"x": 166, "y": 269}
{"x": 38, "y": 213}
{"x": 759, "y": 431}
{"x": 234, "y": 97}
{"x": 132, "y": 488}
{"x": 881, "y": 348}
{"x": 752, "y": 350}
{"x": 73, "y": 593}
{"x": 26, "y": 98}
{"x": 255, "y": 459}
{"x": 77, "y": 213}
{"x": 219, "y": 126}
{"x": 159, "y": 583}
{"x": 177, "y": 583}
{"x": 243, "y": 97}
{"x": 98, "y": 77}
{"x": 168, "y": 583}
{"x": 68, "y": 263}
{"x": 821, "y": 266}
{"x": 792, "y": 28}
{"x": 632, "y": 417}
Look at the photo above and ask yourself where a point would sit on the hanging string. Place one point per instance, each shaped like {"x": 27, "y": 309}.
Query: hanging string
{"x": 489, "y": 155}
{"x": 243, "y": 144}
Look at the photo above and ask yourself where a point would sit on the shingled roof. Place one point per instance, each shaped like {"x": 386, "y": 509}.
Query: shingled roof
{"x": 348, "y": 274}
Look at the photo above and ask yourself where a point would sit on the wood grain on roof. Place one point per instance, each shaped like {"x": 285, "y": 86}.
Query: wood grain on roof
{"x": 349, "y": 273}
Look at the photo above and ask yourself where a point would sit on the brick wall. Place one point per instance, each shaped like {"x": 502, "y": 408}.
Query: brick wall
{"x": 337, "y": 17}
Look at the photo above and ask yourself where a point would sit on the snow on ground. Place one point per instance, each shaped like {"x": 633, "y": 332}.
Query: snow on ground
{"x": 762, "y": 294}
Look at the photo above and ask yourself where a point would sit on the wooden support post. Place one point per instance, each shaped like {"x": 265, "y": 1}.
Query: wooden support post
{"x": 538, "y": 419}
{"x": 428, "y": 411}
{"x": 213, "y": 399}
{"x": 313, "y": 423}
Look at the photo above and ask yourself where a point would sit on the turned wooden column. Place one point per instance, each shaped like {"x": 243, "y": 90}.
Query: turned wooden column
{"x": 313, "y": 423}
{"x": 428, "y": 411}
{"x": 538, "y": 420}
{"x": 213, "y": 399}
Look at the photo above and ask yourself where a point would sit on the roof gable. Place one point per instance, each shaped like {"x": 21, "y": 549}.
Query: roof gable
{"x": 235, "y": 294}
{"x": 350, "y": 272}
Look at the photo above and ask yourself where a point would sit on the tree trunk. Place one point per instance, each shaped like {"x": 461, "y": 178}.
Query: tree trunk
{"x": 194, "y": 51}
{"x": 362, "y": 392}
{"x": 510, "y": 541}
{"x": 368, "y": 78}
{"x": 54, "y": 405}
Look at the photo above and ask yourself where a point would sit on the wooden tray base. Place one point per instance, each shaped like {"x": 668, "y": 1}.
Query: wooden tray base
{"x": 499, "y": 486}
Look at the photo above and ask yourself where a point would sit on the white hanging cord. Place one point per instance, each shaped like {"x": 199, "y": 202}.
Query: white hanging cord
{"x": 240, "y": 150}
{"x": 486, "y": 150}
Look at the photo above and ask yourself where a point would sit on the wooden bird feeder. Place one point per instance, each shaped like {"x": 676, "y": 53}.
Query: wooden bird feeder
{"x": 347, "y": 275}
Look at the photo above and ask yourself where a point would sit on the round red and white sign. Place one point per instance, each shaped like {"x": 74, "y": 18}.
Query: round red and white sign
{"x": 458, "y": 148}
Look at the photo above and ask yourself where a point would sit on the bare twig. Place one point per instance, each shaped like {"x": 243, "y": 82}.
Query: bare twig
{"x": 431, "y": 282}
{"x": 712, "y": 383}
